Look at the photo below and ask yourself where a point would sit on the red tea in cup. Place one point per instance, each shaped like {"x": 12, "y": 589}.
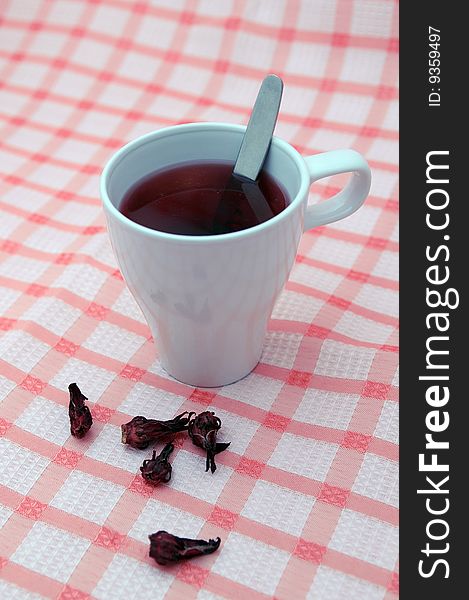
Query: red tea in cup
{"x": 200, "y": 198}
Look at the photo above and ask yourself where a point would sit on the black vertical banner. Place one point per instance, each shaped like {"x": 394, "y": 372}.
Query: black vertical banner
{"x": 434, "y": 259}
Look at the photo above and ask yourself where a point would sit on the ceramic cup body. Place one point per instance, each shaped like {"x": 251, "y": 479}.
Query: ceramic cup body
{"x": 208, "y": 299}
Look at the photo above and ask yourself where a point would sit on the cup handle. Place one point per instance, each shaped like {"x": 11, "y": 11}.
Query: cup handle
{"x": 348, "y": 200}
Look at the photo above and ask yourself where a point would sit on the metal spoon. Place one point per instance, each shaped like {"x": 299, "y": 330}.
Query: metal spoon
{"x": 253, "y": 151}
{"x": 258, "y": 135}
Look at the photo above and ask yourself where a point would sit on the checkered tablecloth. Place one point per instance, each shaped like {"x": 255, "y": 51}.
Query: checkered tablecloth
{"x": 305, "y": 499}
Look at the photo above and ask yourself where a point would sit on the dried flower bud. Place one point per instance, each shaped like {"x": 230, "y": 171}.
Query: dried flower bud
{"x": 141, "y": 432}
{"x": 167, "y": 548}
{"x": 158, "y": 469}
{"x": 203, "y": 431}
{"x": 79, "y": 413}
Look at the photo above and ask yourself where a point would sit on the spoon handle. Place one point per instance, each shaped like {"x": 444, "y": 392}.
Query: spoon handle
{"x": 259, "y": 131}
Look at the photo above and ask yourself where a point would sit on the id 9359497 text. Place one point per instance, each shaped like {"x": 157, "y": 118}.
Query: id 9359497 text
{"x": 434, "y": 68}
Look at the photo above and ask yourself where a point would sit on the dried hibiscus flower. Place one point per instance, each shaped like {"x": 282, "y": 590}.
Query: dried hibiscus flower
{"x": 79, "y": 413}
{"x": 141, "y": 432}
{"x": 203, "y": 431}
{"x": 167, "y": 548}
{"x": 157, "y": 469}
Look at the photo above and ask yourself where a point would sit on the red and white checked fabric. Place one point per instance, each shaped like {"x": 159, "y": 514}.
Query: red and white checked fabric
{"x": 305, "y": 499}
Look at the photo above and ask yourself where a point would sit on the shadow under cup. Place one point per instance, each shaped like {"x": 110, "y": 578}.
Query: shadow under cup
{"x": 207, "y": 299}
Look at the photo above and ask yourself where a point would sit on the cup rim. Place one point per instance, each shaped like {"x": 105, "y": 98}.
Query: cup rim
{"x": 180, "y": 129}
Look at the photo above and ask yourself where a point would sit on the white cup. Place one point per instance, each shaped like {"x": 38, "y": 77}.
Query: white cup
{"x": 208, "y": 299}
